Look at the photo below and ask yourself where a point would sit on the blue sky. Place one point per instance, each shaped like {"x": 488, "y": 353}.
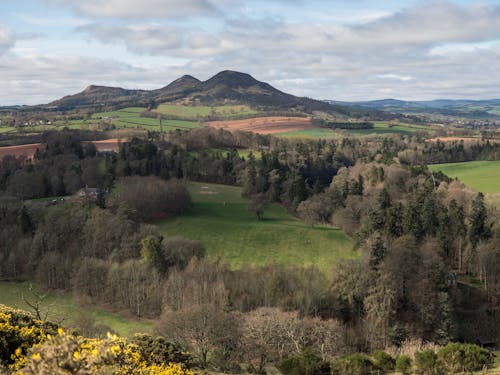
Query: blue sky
{"x": 338, "y": 49}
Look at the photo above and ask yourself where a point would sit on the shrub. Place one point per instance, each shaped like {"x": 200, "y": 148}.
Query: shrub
{"x": 353, "y": 364}
{"x": 456, "y": 357}
{"x": 384, "y": 361}
{"x": 18, "y": 332}
{"x": 305, "y": 363}
{"x": 426, "y": 362}
{"x": 403, "y": 364}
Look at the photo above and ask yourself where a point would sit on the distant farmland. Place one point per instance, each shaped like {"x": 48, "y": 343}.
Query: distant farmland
{"x": 482, "y": 176}
{"x": 266, "y": 125}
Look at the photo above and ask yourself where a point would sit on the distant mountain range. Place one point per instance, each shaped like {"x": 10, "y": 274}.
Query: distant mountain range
{"x": 225, "y": 87}
{"x": 487, "y": 109}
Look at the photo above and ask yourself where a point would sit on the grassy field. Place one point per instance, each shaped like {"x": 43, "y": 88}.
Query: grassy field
{"x": 380, "y": 128}
{"x": 188, "y": 111}
{"x": 63, "y": 307}
{"x": 483, "y": 176}
{"x": 384, "y": 127}
{"x": 310, "y": 134}
{"x": 130, "y": 118}
{"x": 221, "y": 220}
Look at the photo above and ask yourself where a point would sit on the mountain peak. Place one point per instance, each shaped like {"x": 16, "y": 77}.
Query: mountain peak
{"x": 232, "y": 78}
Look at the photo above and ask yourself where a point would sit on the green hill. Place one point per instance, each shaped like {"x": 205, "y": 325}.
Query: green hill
{"x": 221, "y": 220}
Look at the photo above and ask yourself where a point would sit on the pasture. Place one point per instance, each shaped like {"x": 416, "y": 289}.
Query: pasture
{"x": 201, "y": 111}
{"x": 380, "y": 128}
{"x": 483, "y": 176}
{"x": 220, "y": 219}
{"x": 63, "y": 307}
{"x": 131, "y": 118}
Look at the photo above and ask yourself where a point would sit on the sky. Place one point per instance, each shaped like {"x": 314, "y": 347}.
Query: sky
{"x": 339, "y": 49}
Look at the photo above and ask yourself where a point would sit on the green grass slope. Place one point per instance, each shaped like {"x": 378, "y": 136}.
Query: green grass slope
{"x": 221, "y": 220}
{"x": 62, "y": 307}
{"x": 483, "y": 176}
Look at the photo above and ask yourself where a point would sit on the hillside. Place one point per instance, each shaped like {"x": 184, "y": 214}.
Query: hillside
{"x": 474, "y": 109}
{"x": 225, "y": 87}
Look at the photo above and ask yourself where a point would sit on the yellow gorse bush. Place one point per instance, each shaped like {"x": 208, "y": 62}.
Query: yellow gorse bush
{"x": 65, "y": 353}
{"x": 29, "y": 346}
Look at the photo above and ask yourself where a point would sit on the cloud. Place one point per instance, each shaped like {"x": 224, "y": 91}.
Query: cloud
{"x": 430, "y": 50}
{"x": 138, "y": 9}
{"x": 155, "y": 39}
{"x": 7, "y": 39}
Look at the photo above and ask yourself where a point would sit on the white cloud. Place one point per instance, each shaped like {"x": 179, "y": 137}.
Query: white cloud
{"x": 138, "y": 8}
{"x": 7, "y": 39}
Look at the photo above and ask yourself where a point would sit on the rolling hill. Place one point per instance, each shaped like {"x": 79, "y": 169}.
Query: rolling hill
{"x": 226, "y": 87}
{"x": 483, "y": 109}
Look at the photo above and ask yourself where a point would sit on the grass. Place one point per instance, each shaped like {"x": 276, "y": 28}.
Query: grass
{"x": 63, "y": 307}
{"x": 220, "y": 220}
{"x": 7, "y": 129}
{"x": 379, "y": 128}
{"x": 483, "y": 176}
{"x": 310, "y": 133}
{"x": 384, "y": 127}
{"x": 188, "y": 111}
{"x": 131, "y": 118}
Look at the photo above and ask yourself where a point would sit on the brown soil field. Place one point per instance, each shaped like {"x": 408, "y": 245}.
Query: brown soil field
{"x": 26, "y": 151}
{"x": 108, "y": 144}
{"x": 265, "y": 125}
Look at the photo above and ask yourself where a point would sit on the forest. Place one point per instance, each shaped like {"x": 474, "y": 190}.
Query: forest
{"x": 425, "y": 281}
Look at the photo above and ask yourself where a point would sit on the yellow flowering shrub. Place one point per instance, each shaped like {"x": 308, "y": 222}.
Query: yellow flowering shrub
{"x": 68, "y": 354}
{"x": 29, "y": 346}
{"x": 18, "y": 332}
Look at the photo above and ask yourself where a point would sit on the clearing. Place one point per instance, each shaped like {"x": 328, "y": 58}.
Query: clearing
{"x": 483, "y": 176}
{"x": 220, "y": 220}
{"x": 63, "y": 307}
{"x": 265, "y": 125}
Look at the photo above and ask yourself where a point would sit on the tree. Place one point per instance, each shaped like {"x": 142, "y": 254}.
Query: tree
{"x": 478, "y": 221}
{"x": 211, "y": 334}
{"x": 257, "y": 204}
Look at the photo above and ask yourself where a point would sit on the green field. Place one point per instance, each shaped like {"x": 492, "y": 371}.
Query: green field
{"x": 196, "y": 111}
{"x": 379, "y": 128}
{"x": 62, "y": 307}
{"x": 220, "y": 220}
{"x": 131, "y": 118}
{"x": 483, "y": 176}
{"x": 310, "y": 133}
{"x": 384, "y": 127}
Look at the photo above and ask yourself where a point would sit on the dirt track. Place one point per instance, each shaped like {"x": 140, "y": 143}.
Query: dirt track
{"x": 265, "y": 125}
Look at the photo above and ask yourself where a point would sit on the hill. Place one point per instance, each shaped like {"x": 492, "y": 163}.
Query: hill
{"x": 223, "y": 88}
{"x": 479, "y": 109}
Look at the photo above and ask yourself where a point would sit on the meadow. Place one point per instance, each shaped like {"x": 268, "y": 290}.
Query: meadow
{"x": 220, "y": 219}
{"x": 379, "y": 128}
{"x": 131, "y": 118}
{"x": 63, "y": 307}
{"x": 483, "y": 176}
{"x": 198, "y": 111}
